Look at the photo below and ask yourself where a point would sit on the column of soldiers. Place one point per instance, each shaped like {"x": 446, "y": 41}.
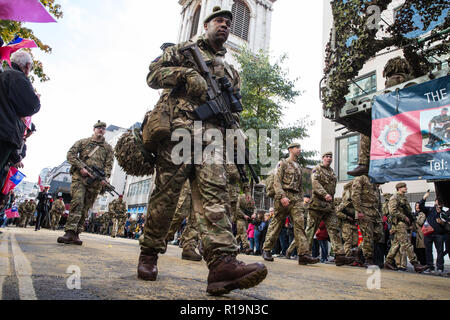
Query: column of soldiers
{"x": 58, "y": 208}
{"x": 117, "y": 210}
{"x": 26, "y": 211}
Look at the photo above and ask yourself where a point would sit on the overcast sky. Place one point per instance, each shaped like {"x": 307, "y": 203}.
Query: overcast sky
{"x": 101, "y": 53}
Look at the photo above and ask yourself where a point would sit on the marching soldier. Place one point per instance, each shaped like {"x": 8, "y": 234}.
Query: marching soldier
{"x": 304, "y": 209}
{"x": 106, "y": 220}
{"x": 244, "y": 210}
{"x": 288, "y": 201}
{"x": 185, "y": 89}
{"x": 22, "y": 212}
{"x": 57, "y": 210}
{"x": 189, "y": 237}
{"x": 118, "y": 211}
{"x": 399, "y": 213}
{"x": 322, "y": 208}
{"x": 93, "y": 151}
{"x": 29, "y": 209}
{"x": 365, "y": 200}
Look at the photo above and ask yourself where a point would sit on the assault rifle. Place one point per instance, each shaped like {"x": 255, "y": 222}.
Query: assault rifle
{"x": 97, "y": 174}
{"x": 221, "y": 103}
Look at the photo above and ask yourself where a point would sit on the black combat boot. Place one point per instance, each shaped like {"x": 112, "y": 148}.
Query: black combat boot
{"x": 307, "y": 259}
{"x": 228, "y": 274}
{"x": 247, "y": 251}
{"x": 190, "y": 254}
{"x": 77, "y": 239}
{"x": 369, "y": 262}
{"x": 389, "y": 266}
{"x": 341, "y": 259}
{"x": 70, "y": 237}
{"x": 147, "y": 267}
{"x": 359, "y": 170}
{"x": 418, "y": 267}
{"x": 267, "y": 255}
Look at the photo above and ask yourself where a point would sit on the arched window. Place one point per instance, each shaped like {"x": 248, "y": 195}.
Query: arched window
{"x": 241, "y": 19}
{"x": 195, "y": 21}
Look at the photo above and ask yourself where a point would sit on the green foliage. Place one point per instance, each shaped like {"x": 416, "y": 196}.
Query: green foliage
{"x": 344, "y": 61}
{"x": 9, "y": 29}
{"x": 266, "y": 89}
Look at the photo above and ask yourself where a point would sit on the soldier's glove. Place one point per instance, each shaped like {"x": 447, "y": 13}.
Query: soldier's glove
{"x": 196, "y": 85}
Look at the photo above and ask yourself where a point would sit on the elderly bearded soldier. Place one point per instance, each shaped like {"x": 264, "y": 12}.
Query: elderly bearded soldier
{"x": 288, "y": 201}
{"x": 322, "y": 208}
{"x": 185, "y": 90}
{"x": 93, "y": 151}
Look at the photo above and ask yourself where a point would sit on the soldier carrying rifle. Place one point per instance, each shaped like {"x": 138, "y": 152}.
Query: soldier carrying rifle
{"x": 91, "y": 160}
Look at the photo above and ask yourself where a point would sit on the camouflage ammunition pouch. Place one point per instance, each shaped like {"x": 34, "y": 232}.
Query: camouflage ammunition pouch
{"x": 156, "y": 125}
{"x": 131, "y": 155}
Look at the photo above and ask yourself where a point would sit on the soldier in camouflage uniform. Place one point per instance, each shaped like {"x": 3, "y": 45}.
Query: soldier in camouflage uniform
{"x": 322, "y": 208}
{"x": 189, "y": 238}
{"x": 56, "y": 211}
{"x": 118, "y": 211}
{"x": 288, "y": 201}
{"x": 22, "y": 212}
{"x": 366, "y": 201}
{"x": 93, "y": 151}
{"x": 184, "y": 90}
{"x": 304, "y": 210}
{"x": 29, "y": 209}
{"x": 396, "y": 71}
{"x": 244, "y": 210}
{"x": 399, "y": 210}
{"x": 345, "y": 212}
{"x": 105, "y": 222}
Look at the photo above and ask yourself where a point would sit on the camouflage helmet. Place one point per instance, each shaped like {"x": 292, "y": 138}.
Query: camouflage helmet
{"x": 99, "y": 124}
{"x": 400, "y": 185}
{"x": 217, "y": 12}
{"x": 328, "y": 153}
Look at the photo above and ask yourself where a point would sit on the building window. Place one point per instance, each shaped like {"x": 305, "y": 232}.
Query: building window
{"x": 241, "y": 19}
{"x": 195, "y": 21}
{"x": 347, "y": 150}
{"x": 364, "y": 85}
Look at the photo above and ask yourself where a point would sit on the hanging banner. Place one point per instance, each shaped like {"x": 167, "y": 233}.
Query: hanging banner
{"x": 411, "y": 133}
{"x": 24, "y": 10}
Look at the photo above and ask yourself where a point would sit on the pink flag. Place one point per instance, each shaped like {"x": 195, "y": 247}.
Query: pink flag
{"x": 6, "y": 51}
{"x": 24, "y": 10}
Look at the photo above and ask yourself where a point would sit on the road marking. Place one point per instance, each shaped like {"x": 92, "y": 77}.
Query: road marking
{"x": 23, "y": 272}
{"x": 4, "y": 262}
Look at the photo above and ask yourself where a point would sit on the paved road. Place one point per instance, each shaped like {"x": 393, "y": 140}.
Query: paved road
{"x": 33, "y": 266}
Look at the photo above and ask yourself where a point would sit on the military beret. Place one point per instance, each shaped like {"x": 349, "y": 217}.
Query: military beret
{"x": 400, "y": 185}
{"x": 217, "y": 12}
{"x": 99, "y": 124}
{"x": 328, "y": 153}
{"x": 294, "y": 144}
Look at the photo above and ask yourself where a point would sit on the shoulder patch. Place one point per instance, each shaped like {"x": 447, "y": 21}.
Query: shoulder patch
{"x": 157, "y": 59}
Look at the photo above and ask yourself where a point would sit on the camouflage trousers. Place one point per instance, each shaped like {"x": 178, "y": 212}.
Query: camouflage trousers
{"x": 105, "y": 227}
{"x": 189, "y": 237}
{"x": 56, "y": 216}
{"x": 332, "y": 224}
{"x": 364, "y": 150}
{"x": 241, "y": 233}
{"x": 83, "y": 198}
{"x": 211, "y": 203}
{"x": 118, "y": 226}
{"x": 23, "y": 216}
{"x": 293, "y": 245}
{"x": 349, "y": 236}
{"x": 296, "y": 211}
{"x": 371, "y": 227}
{"x": 401, "y": 243}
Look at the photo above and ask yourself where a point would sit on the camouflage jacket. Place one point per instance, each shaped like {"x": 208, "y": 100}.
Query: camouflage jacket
{"x": 58, "y": 206}
{"x": 30, "y": 208}
{"x": 117, "y": 209}
{"x": 323, "y": 183}
{"x": 287, "y": 178}
{"x": 244, "y": 207}
{"x": 169, "y": 72}
{"x": 233, "y": 182}
{"x": 103, "y": 157}
{"x": 364, "y": 194}
{"x": 21, "y": 207}
{"x": 399, "y": 208}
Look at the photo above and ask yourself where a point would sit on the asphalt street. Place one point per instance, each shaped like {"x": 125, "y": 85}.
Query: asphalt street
{"x": 33, "y": 266}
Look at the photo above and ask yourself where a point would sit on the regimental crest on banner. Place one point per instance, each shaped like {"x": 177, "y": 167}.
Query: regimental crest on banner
{"x": 393, "y": 136}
